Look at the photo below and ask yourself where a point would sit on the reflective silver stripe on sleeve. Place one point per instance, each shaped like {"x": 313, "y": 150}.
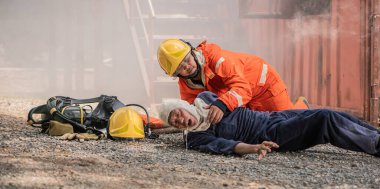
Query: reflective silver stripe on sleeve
{"x": 237, "y": 96}
{"x": 221, "y": 60}
{"x": 263, "y": 77}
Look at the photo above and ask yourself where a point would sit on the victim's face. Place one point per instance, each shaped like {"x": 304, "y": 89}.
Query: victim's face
{"x": 181, "y": 118}
{"x": 187, "y": 67}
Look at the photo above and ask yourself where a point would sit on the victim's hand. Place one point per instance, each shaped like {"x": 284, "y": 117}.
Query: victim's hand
{"x": 214, "y": 115}
{"x": 264, "y": 148}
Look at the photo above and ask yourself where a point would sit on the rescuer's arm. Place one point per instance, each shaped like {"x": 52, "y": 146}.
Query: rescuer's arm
{"x": 232, "y": 74}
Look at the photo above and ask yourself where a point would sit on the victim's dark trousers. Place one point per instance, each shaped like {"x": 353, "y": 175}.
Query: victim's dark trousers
{"x": 300, "y": 129}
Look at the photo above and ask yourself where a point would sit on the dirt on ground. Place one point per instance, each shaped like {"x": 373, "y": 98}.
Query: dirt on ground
{"x": 30, "y": 159}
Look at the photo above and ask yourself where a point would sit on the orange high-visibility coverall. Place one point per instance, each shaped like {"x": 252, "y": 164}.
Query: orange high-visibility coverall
{"x": 240, "y": 80}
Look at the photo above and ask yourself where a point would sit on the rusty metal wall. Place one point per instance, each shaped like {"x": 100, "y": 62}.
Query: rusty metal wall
{"x": 374, "y": 59}
{"x": 324, "y": 57}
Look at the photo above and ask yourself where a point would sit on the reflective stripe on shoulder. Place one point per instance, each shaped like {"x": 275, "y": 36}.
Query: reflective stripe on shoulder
{"x": 237, "y": 96}
{"x": 264, "y": 72}
{"x": 221, "y": 60}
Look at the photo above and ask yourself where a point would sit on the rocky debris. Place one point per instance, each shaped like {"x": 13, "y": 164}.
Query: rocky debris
{"x": 30, "y": 159}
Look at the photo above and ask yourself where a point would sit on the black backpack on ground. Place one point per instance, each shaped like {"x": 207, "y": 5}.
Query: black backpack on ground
{"x": 77, "y": 112}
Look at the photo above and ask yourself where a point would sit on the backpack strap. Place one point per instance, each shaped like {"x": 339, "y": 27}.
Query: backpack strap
{"x": 55, "y": 103}
{"x": 86, "y": 101}
{"x": 43, "y": 114}
{"x": 81, "y": 112}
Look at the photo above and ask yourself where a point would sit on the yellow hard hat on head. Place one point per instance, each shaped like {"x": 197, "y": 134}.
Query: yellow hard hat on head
{"x": 126, "y": 123}
{"x": 170, "y": 54}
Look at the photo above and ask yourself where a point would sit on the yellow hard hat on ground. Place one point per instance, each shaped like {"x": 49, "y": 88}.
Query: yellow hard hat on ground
{"x": 170, "y": 54}
{"x": 126, "y": 123}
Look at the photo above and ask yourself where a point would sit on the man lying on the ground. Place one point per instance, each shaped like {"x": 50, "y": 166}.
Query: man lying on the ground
{"x": 245, "y": 131}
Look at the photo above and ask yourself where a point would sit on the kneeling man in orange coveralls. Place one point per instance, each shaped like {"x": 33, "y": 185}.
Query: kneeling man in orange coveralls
{"x": 240, "y": 80}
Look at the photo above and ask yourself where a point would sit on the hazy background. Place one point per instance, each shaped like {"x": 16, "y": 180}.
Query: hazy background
{"x": 84, "y": 48}
{"x": 90, "y": 47}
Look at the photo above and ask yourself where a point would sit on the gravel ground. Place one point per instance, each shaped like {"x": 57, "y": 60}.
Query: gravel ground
{"x": 29, "y": 159}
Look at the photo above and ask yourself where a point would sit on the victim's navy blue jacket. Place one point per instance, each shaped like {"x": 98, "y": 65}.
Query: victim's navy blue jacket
{"x": 291, "y": 129}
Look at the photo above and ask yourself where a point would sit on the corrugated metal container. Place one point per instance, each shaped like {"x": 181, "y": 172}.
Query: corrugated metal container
{"x": 331, "y": 56}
